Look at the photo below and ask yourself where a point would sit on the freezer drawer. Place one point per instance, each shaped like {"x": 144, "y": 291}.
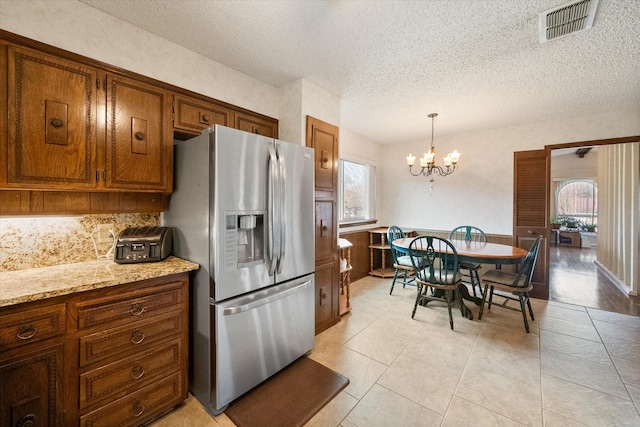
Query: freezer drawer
{"x": 258, "y": 334}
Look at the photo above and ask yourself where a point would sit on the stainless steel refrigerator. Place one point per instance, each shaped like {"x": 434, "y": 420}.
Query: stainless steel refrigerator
{"x": 243, "y": 209}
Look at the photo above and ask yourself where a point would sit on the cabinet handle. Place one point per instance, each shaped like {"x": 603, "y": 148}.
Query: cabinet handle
{"x": 139, "y": 136}
{"x": 26, "y": 332}
{"x": 28, "y": 420}
{"x": 137, "y": 337}
{"x": 137, "y": 309}
{"x": 138, "y": 409}
{"x": 137, "y": 372}
{"x": 205, "y": 119}
{"x": 56, "y": 123}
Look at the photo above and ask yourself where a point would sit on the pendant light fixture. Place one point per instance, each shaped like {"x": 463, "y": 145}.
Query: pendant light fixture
{"x": 428, "y": 160}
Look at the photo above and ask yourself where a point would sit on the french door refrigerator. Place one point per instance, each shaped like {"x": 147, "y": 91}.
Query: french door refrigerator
{"x": 243, "y": 209}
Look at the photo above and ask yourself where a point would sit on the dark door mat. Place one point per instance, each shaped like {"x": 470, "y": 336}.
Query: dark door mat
{"x": 289, "y": 398}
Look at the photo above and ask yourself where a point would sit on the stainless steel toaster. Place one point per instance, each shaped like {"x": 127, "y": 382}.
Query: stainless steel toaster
{"x": 143, "y": 244}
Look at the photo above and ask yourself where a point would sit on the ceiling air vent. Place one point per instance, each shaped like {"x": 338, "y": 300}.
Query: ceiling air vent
{"x": 567, "y": 19}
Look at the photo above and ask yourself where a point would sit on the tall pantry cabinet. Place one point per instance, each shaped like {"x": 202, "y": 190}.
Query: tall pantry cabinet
{"x": 323, "y": 138}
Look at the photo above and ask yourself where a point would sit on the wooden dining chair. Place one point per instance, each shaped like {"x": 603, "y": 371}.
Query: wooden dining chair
{"x": 435, "y": 262}
{"x": 518, "y": 284}
{"x": 401, "y": 261}
{"x": 469, "y": 270}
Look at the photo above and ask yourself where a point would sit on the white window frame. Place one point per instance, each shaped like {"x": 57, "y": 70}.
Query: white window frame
{"x": 370, "y": 183}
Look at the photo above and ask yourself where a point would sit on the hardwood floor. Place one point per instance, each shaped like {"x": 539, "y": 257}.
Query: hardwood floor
{"x": 575, "y": 279}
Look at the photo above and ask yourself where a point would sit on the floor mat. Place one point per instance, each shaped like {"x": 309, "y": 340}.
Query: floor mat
{"x": 289, "y": 398}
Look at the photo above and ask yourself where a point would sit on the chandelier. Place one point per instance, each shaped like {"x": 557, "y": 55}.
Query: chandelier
{"x": 428, "y": 160}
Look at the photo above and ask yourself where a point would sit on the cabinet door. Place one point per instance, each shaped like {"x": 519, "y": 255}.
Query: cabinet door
{"x": 30, "y": 389}
{"x": 255, "y": 124}
{"x": 52, "y": 122}
{"x": 193, "y": 115}
{"x": 139, "y": 136}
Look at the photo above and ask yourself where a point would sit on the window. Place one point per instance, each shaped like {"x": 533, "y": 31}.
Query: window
{"x": 356, "y": 191}
{"x": 578, "y": 200}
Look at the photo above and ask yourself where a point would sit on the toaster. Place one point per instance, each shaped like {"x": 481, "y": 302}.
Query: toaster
{"x": 143, "y": 244}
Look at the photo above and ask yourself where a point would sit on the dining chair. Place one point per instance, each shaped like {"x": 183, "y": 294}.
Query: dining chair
{"x": 518, "y": 284}
{"x": 401, "y": 261}
{"x": 435, "y": 262}
{"x": 469, "y": 270}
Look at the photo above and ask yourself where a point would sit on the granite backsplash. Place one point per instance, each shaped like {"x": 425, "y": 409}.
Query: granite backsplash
{"x": 31, "y": 242}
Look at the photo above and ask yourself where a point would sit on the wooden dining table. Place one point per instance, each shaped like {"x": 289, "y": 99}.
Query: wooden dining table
{"x": 475, "y": 252}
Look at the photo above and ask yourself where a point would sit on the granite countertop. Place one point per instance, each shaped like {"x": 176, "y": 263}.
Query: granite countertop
{"x": 34, "y": 284}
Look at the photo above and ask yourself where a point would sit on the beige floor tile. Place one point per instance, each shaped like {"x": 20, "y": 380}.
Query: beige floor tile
{"x": 578, "y": 347}
{"x": 586, "y": 405}
{"x": 334, "y": 412}
{"x": 599, "y": 376}
{"x": 191, "y": 414}
{"x": 502, "y": 338}
{"x": 329, "y": 341}
{"x": 578, "y": 316}
{"x": 634, "y": 392}
{"x": 621, "y": 348}
{"x": 429, "y": 382}
{"x": 570, "y": 328}
{"x": 551, "y": 419}
{"x": 379, "y": 343}
{"x": 438, "y": 342}
{"x": 565, "y": 305}
{"x": 509, "y": 397}
{"x": 362, "y": 371}
{"x": 520, "y": 366}
{"x": 508, "y": 318}
{"x": 465, "y": 413}
{"x": 613, "y": 330}
{"x": 629, "y": 370}
{"x": 617, "y": 318}
{"x": 384, "y": 408}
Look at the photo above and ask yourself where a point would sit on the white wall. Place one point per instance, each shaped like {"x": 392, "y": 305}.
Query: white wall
{"x": 480, "y": 193}
{"x": 78, "y": 28}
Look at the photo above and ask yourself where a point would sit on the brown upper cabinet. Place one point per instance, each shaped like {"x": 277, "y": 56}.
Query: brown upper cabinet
{"x": 256, "y": 124}
{"x": 75, "y": 127}
{"x": 191, "y": 115}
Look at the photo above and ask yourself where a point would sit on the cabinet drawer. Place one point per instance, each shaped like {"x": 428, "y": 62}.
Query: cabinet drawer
{"x": 130, "y": 374}
{"x": 194, "y": 115}
{"x": 29, "y": 326}
{"x": 130, "y": 306}
{"x": 134, "y": 337}
{"x": 138, "y": 407}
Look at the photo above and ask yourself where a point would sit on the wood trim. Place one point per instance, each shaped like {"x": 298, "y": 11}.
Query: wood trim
{"x": 621, "y": 140}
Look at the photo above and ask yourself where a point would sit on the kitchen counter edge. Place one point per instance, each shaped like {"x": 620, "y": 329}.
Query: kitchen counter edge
{"x": 17, "y": 287}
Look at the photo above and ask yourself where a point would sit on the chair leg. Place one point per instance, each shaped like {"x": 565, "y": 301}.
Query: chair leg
{"x": 478, "y": 282}
{"x": 415, "y": 306}
{"x": 484, "y": 299}
{"x": 524, "y": 313}
{"x": 472, "y": 281}
{"x": 395, "y": 276}
{"x": 530, "y": 309}
{"x": 404, "y": 280}
{"x": 490, "y": 297}
{"x": 449, "y": 302}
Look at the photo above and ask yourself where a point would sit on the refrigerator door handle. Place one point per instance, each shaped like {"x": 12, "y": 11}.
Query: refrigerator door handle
{"x": 271, "y": 205}
{"x": 283, "y": 225}
{"x": 257, "y": 303}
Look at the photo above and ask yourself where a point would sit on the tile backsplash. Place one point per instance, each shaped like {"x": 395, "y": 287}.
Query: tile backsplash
{"x": 30, "y": 242}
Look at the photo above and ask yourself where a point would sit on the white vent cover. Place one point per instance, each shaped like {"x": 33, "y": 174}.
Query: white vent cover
{"x": 567, "y": 19}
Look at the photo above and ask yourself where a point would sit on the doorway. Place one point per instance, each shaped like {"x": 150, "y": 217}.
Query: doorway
{"x": 574, "y": 277}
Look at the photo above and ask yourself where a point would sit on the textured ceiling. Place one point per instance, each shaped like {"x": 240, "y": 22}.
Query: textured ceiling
{"x": 479, "y": 64}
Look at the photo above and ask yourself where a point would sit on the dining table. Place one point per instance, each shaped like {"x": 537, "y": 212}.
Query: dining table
{"x": 478, "y": 253}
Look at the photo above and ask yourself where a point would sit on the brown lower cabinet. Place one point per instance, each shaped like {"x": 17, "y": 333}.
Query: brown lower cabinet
{"x": 107, "y": 357}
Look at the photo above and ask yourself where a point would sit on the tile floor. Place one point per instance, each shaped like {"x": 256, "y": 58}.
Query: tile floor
{"x": 578, "y": 366}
